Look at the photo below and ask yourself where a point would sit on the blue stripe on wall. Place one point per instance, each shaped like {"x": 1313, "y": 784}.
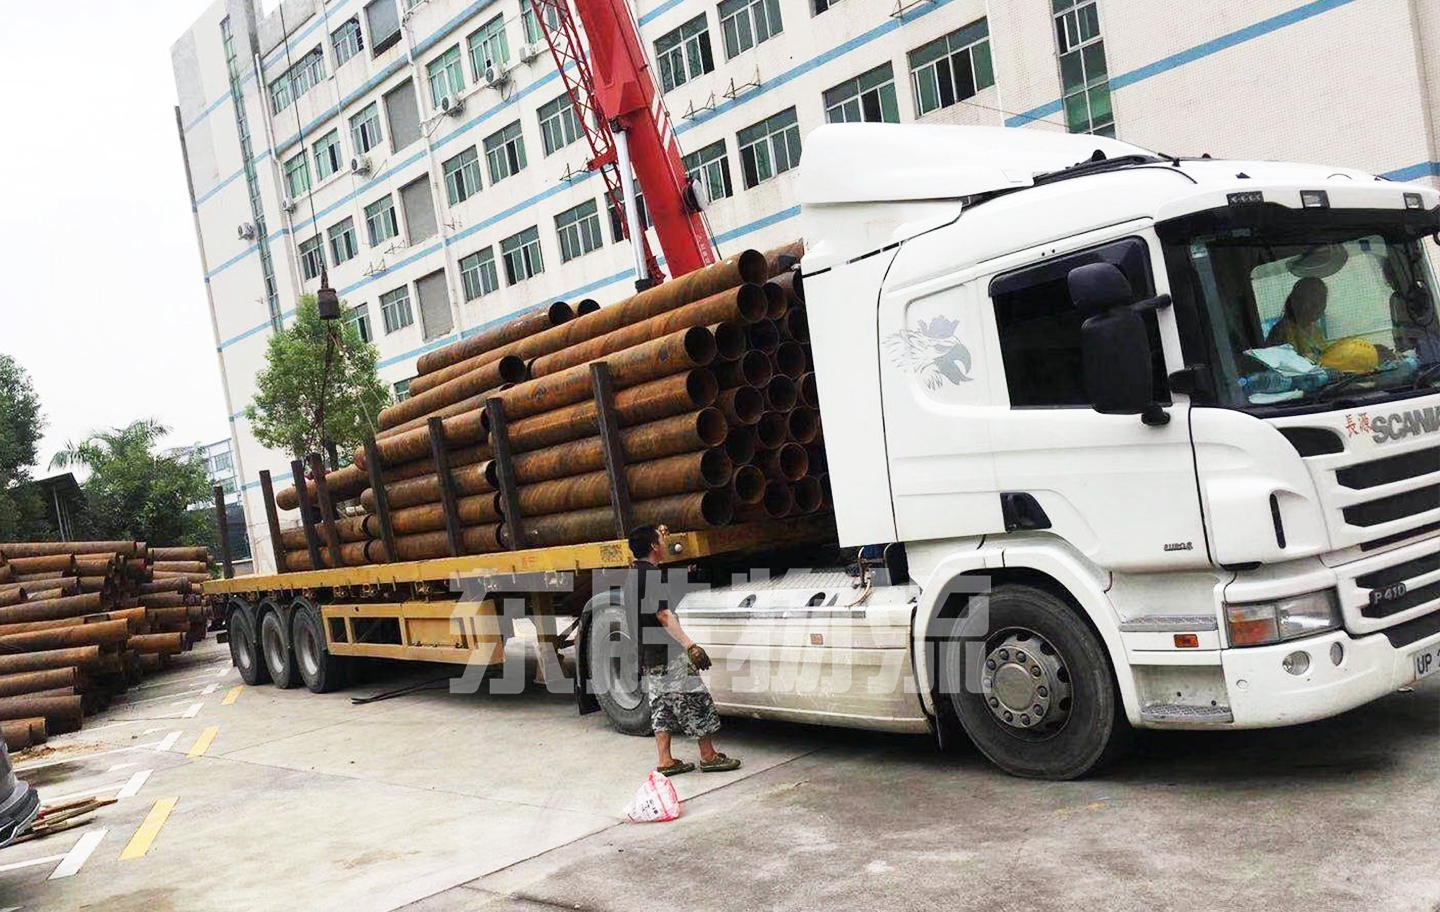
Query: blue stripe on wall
{"x": 660, "y": 10}
{"x": 1190, "y": 55}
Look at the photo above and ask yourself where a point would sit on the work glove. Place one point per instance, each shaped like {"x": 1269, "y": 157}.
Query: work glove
{"x": 698, "y": 657}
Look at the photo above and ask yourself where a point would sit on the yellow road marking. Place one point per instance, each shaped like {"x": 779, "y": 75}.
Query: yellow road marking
{"x": 232, "y": 695}
{"x": 139, "y": 844}
{"x": 202, "y": 743}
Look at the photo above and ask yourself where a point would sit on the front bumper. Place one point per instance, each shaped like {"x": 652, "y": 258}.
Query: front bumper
{"x": 1263, "y": 695}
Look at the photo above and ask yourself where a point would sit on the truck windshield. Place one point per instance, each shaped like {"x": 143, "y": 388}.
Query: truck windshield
{"x": 1306, "y": 310}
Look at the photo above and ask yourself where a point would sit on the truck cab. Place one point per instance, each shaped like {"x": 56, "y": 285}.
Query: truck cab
{"x": 1160, "y": 439}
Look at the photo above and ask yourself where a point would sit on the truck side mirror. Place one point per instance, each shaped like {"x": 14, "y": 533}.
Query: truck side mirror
{"x": 1115, "y": 346}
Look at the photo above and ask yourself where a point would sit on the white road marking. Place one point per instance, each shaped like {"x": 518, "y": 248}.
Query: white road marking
{"x": 209, "y": 689}
{"x": 192, "y": 712}
{"x": 61, "y": 799}
{"x": 149, "y": 730}
{"x": 40, "y": 764}
{"x": 164, "y": 681}
{"x": 168, "y": 741}
{"x": 78, "y": 854}
{"x": 224, "y": 670}
{"x": 120, "y": 766}
{"x": 133, "y": 786}
{"x": 17, "y": 865}
{"x": 101, "y": 729}
{"x": 178, "y": 693}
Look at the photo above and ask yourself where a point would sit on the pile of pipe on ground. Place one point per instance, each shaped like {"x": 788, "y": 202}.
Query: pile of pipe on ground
{"x": 80, "y": 622}
{"x": 714, "y": 396}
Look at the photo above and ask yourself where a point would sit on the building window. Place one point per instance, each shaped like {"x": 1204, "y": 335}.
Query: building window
{"x": 365, "y": 128}
{"x": 403, "y": 114}
{"x": 221, "y": 462}
{"x": 380, "y": 220}
{"x": 446, "y": 76}
{"x": 297, "y": 176}
{"x": 746, "y": 23}
{"x": 299, "y": 79}
{"x": 684, "y": 54}
{"x": 533, "y": 35}
{"x": 617, "y": 223}
{"x": 952, "y": 68}
{"x": 505, "y": 152}
{"x": 709, "y": 168}
{"x": 868, "y": 98}
{"x": 383, "y": 17}
{"x": 395, "y": 310}
{"x": 769, "y": 147}
{"x": 578, "y": 230}
{"x": 462, "y": 176}
{"x": 402, "y": 390}
{"x": 343, "y": 245}
{"x": 559, "y": 126}
{"x": 359, "y": 317}
{"x": 522, "y": 255}
{"x": 346, "y": 40}
{"x": 327, "y": 155}
{"x": 819, "y": 6}
{"x": 488, "y": 46}
{"x": 477, "y": 273}
{"x": 312, "y": 257}
{"x": 1083, "y": 75}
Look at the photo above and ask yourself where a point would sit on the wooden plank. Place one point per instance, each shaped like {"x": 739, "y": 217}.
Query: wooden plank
{"x": 604, "y": 392}
{"x": 222, "y": 530}
{"x": 307, "y": 518}
{"x": 505, "y": 470}
{"x": 440, "y": 451}
{"x": 327, "y": 509}
{"x": 272, "y": 518}
{"x": 382, "y": 501}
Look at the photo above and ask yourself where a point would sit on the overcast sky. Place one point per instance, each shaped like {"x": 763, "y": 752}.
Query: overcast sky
{"x": 103, "y": 299}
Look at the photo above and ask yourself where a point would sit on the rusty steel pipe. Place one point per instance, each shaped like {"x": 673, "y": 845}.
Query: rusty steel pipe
{"x": 32, "y": 626}
{"x": 809, "y": 390}
{"x": 14, "y": 586}
{"x": 171, "y": 574}
{"x": 13, "y": 597}
{"x": 790, "y": 359}
{"x": 748, "y": 485}
{"x": 780, "y": 394}
{"x": 163, "y": 643}
{"x": 71, "y": 606}
{"x": 428, "y": 545}
{"x": 475, "y": 510}
{"x": 776, "y": 299}
{"x": 470, "y": 404}
{"x": 103, "y": 632}
{"x": 639, "y": 443}
{"x": 646, "y": 480}
{"x": 796, "y": 326}
{"x": 344, "y": 483}
{"x": 827, "y": 499}
{"x": 783, "y": 259}
{"x": 517, "y": 327}
{"x": 741, "y": 443}
{"x": 80, "y": 657}
{"x": 786, "y": 463}
{"x": 507, "y": 369}
{"x": 741, "y": 405}
{"x": 181, "y": 566}
{"x": 23, "y": 566}
{"x": 465, "y": 456}
{"x": 73, "y": 585}
{"x": 425, "y": 489}
{"x": 742, "y": 304}
{"x": 729, "y": 340}
{"x": 752, "y": 369}
{"x": 12, "y": 550}
{"x": 168, "y": 619}
{"x": 163, "y": 600}
{"x": 171, "y": 585}
{"x": 17, "y": 734}
{"x": 31, "y": 681}
{"x": 772, "y": 429}
{"x": 664, "y": 398}
{"x": 763, "y": 336}
{"x": 6, "y": 574}
{"x": 776, "y": 502}
{"x": 349, "y": 528}
{"x": 681, "y": 512}
{"x": 48, "y": 576}
{"x": 61, "y": 714}
{"x": 90, "y": 584}
{"x": 97, "y": 564}
{"x": 815, "y": 452}
{"x": 186, "y": 553}
{"x": 414, "y": 444}
{"x": 804, "y": 425}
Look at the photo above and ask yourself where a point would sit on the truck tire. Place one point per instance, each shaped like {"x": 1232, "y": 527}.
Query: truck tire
{"x": 321, "y": 671}
{"x": 244, "y": 643}
{"x": 1046, "y": 706}
{"x": 279, "y": 656}
{"x": 612, "y": 654}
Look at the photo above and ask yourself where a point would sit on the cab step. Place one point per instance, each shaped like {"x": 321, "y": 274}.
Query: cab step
{"x": 1183, "y": 712}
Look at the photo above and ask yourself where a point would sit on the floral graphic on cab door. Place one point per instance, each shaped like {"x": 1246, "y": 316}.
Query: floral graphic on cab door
{"x": 932, "y": 352}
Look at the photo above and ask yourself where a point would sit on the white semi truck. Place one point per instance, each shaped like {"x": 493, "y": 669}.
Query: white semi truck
{"x": 1148, "y": 442}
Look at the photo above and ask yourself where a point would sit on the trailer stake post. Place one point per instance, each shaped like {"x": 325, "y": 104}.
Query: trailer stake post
{"x": 604, "y": 391}
{"x": 505, "y": 470}
{"x": 272, "y": 518}
{"x": 307, "y": 518}
{"x": 440, "y": 450}
{"x": 327, "y": 509}
{"x": 382, "y": 501}
{"x": 223, "y": 532}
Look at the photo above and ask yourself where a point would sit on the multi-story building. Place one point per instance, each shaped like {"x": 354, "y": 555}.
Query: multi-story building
{"x": 427, "y": 155}
{"x": 220, "y": 468}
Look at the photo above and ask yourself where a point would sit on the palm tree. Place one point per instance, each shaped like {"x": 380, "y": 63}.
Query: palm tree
{"x": 102, "y": 446}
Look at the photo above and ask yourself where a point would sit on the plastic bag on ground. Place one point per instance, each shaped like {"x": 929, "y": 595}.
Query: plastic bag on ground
{"x": 655, "y": 800}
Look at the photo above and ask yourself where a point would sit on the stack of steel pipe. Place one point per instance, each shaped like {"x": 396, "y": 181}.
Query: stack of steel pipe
{"x": 80, "y": 621}
{"x": 712, "y": 399}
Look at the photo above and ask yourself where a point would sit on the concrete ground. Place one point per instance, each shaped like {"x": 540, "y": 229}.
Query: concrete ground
{"x": 435, "y": 801}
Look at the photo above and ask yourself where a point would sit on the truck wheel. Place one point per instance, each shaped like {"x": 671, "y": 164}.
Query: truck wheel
{"x": 613, "y": 679}
{"x": 244, "y": 652}
{"x": 279, "y": 657}
{"x": 1046, "y": 706}
{"x": 321, "y": 671}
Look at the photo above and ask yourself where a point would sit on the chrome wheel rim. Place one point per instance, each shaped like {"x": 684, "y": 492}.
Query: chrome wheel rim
{"x": 1026, "y": 684}
{"x": 274, "y": 648}
{"x": 309, "y": 651}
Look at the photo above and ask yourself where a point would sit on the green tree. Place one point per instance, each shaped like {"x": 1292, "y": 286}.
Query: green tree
{"x": 22, "y": 513}
{"x": 319, "y": 383}
{"x": 137, "y": 494}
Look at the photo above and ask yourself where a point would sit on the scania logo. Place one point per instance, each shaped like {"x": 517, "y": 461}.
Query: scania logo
{"x": 1387, "y": 594}
{"x": 1399, "y": 425}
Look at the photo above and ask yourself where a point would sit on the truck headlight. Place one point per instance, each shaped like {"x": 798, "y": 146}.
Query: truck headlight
{"x": 1260, "y": 623}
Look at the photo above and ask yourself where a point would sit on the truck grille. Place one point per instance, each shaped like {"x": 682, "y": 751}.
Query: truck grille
{"x": 1396, "y": 506}
{"x": 1394, "y": 589}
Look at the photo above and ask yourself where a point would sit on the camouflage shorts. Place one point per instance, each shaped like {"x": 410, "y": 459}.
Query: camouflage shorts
{"x": 679, "y": 702}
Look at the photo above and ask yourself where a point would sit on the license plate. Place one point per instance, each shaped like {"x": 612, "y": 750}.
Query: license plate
{"x": 1427, "y": 661}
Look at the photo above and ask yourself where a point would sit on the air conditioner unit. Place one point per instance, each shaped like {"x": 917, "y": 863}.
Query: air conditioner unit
{"x": 245, "y": 231}
{"x": 495, "y": 76}
{"x": 528, "y": 52}
{"x": 453, "y": 105}
{"x": 288, "y": 204}
{"x": 360, "y": 164}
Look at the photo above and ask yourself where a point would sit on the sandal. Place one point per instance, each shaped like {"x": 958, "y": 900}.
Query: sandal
{"x": 675, "y": 768}
{"x": 721, "y": 764}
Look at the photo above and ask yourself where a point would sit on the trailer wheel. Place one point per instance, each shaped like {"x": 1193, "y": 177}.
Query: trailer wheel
{"x": 244, "y": 652}
{"x": 321, "y": 671}
{"x": 279, "y": 657}
{"x": 1041, "y": 703}
{"x": 613, "y": 678}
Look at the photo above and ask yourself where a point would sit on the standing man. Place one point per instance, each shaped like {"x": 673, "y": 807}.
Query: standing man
{"x": 670, "y": 663}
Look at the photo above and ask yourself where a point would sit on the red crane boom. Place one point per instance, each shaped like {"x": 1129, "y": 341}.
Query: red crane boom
{"x": 615, "y": 98}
